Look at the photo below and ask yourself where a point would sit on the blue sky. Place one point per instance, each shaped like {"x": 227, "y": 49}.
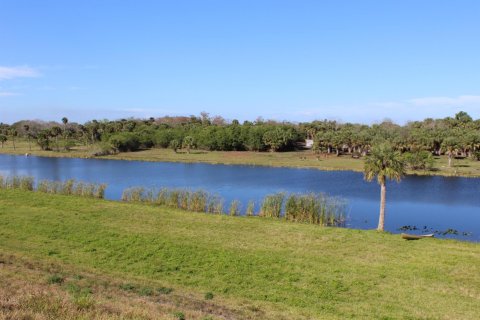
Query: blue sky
{"x": 359, "y": 61}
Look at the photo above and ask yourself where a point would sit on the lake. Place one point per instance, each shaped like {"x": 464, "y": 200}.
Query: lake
{"x": 437, "y": 203}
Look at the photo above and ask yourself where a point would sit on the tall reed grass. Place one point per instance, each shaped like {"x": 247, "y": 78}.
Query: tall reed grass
{"x": 68, "y": 187}
{"x": 272, "y": 205}
{"x": 250, "y": 209}
{"x": 197, "y": 201}
{"x": 315, "y": 209}
{"x": 17, "y": 182}
{"x": 234, "y": 208}
{"x": 311, "y": 208}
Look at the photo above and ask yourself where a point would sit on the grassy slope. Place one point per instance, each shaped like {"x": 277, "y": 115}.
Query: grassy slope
{"x": 464, "y": 167}
{"x": 256, "y": 267}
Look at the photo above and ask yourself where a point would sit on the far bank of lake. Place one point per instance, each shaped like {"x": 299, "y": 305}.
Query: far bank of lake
{"x": 291, "y": 159}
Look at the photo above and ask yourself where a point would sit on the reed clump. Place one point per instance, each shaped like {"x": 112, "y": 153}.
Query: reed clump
{"x": 250, "y": 209}
{"x": 197, "y": 201}
{"x": 315, "y": 209}
{"x": 215, "y": 205}
{"x": 310, "y": 208}
{"x": 272, "y": 205}
{"x": 17, "y": 182}
{"x": 68, "y": 187}
{"x": 234, "y": 208}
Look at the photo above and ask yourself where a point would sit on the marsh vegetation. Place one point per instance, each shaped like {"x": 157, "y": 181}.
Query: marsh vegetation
{"x": 311, "y": 208}
{"x": 68, "y": 187}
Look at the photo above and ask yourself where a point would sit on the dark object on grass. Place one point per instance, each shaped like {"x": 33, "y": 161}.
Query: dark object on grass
{"x": 407, "y": 236}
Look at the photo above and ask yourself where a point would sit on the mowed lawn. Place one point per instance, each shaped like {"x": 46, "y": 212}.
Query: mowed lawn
{"x": 254, "y": 268}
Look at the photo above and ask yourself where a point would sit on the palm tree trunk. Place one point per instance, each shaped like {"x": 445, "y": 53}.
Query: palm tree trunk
{"x": 383, "y": 195}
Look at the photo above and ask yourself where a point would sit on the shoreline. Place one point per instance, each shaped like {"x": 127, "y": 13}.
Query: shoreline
{"x": 293, "y": 159}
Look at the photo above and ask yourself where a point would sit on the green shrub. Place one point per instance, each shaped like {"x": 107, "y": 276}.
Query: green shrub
{"x": 164, "y": 290}
{"x": 84, "y": 302}
{"x": 127, "y": 287}
{"x": 208, "y": 296}
{"x": 125, "y": 141}
{"x": 419, "y": 160}
{"x": 55, "y": 279}
{"x": 146, "y": 291}
{"x": 179, "y": 315}
{"x": 175, "y": 145}
{"x": 476, "y": 155}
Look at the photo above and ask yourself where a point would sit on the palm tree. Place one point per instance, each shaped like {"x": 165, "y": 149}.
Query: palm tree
{"x": 188, "y": 143}
{"x": 3, "y": 139}
{"x": 13, "y": 133}
{"x": 450, "y": 145}
{"x": 383, "y": 163}
{"x": 55, "y": 132}
{"x": 27, "y": 130}
{"x": 65, "y": 122}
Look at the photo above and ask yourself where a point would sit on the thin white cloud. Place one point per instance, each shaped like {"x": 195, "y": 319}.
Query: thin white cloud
{"x": 136, "y": 110}
{"x": 8, "y": 94}
{"x": 400, "y": 111}
{"x": 7, "y": 73}
{"x": 446, "y": 101}
{"x": 387, "y": 104}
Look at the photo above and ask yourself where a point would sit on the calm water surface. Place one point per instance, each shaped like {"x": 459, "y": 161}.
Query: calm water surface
{"x": 439, "y": 203}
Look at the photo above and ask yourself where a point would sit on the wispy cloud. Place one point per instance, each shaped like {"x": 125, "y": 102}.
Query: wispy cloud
{"x": 400, "y": 110}
{"x": 7, "y": 73}
{"x": 145, "y": 110}
{"x": 446, "y": 101}
{"x": 135, "y": 110}
{"x": 8, "y": 94}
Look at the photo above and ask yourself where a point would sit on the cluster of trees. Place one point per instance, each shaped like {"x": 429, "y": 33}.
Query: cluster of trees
{"x": 437, "y": 136}
{"x": 46, "y": 135}
{"x": 168, "y": 132}
{"x": 419, "y": 140}
{"x": 202, "y": 134}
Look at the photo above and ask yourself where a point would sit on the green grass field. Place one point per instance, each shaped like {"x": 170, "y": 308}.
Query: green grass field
{"x": 111, "y": 260}
{"x": 297, "y": 159}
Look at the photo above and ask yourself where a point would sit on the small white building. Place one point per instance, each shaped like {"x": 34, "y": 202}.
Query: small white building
{"x": 309, "y": 143}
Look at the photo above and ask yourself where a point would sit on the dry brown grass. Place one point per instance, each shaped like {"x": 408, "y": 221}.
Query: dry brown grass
{"x": 25, "y": 293}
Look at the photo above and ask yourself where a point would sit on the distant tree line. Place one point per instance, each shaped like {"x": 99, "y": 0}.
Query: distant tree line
{"x": 418, "y": 140}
